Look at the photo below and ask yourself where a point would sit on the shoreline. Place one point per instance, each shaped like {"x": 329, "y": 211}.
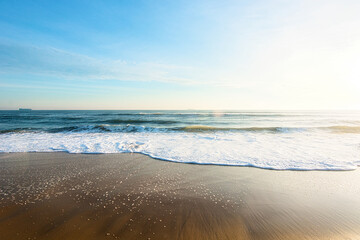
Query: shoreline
{"x": 193, "y": 163}
{"x": 133, "y": 196}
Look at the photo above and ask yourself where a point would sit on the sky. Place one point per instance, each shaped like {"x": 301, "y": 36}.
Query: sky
{"x": 196, "y": 54}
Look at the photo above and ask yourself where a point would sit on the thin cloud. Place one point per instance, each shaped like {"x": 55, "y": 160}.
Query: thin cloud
{"x": 56, "y": 62}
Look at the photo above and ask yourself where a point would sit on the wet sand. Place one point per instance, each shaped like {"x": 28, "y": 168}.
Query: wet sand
{"x": 132, "y": 196}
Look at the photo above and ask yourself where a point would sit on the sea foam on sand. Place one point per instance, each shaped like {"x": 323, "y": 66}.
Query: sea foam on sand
{"x": 297, "y": 150}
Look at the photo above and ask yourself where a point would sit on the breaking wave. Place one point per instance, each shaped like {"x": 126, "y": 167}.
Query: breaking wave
{"x": 271, "y": 140}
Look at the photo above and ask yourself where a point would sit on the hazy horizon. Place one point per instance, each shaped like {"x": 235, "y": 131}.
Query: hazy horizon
{"x": 189, "y": 109}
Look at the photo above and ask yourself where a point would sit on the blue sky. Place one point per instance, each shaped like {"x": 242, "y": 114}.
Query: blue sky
{"x": 180, "y": 54}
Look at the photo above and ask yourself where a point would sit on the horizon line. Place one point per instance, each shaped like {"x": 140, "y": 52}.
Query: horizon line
{"x": 189, "y": 109}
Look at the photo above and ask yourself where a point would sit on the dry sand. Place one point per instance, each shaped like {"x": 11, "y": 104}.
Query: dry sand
{"x": 132, "y": 196}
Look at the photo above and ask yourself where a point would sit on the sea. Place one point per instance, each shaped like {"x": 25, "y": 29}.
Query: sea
{"x": 280, "y": 140}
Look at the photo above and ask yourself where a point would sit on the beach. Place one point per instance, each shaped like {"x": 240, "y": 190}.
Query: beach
{"x": 179, "y": 120}
{"x": 132, "y": 196}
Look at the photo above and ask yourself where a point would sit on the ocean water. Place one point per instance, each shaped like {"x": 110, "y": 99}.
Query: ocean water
{"x": 271, "y": 140}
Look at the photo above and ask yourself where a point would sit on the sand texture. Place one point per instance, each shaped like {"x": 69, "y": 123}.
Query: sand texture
{"x": 132, "y": 196}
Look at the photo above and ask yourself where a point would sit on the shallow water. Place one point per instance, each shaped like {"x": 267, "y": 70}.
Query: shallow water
{"x": 274, "y": 140}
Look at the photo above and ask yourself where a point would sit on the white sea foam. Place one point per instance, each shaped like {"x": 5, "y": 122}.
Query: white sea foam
{"x": 297, "y": 150}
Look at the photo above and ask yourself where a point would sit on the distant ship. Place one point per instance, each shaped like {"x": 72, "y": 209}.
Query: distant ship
{"x": 25, "y": 109}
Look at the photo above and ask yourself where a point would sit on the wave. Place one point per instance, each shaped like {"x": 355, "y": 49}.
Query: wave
{"x": 70, "y": 118}
{"x": 103, "y": 129}
{"x": 218, "y": 114}
{"x": 315, "y": 150}
{"x": 202, "y": 128}
{"x": 122, "y": 127}
{"x": 21, "y": 117}
{"x": 138, "y": 128}
{"x": 138, "y": 121}
{"x": 211, "y": 114}
{"x": 19, "y": 130}
{"x": 343, "y": 129}
{"x": 334, "y": 129}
